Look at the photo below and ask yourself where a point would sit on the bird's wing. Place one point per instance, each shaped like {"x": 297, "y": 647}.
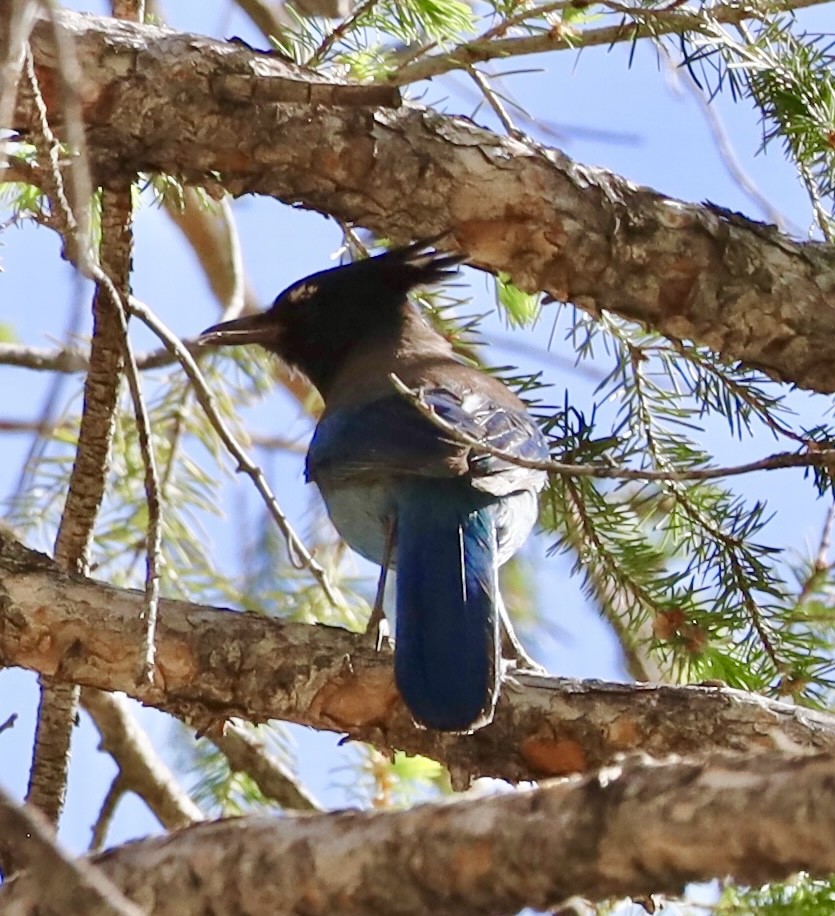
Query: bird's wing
{"x": 390, "y": 436}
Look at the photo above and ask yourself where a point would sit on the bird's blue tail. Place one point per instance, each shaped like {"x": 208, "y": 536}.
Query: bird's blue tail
{"x": 447, "y": 645}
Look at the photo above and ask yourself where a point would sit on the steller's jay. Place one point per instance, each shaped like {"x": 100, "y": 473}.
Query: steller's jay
{"x": 397, "y": 488}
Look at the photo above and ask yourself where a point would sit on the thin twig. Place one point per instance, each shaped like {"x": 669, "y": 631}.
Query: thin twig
{"x": 69, "y": 359}
{"x": 691, "y": 353}
{"x": 108, "y": 809}
{"x": 339, "y": 32}
{"x": 300, "y": 556}
{"x": 71, "y": 79}
{"x": 616, "y": 590}
{"x": 658, "y": 23}
{"x": 74, "y": 227}
{"x": 59, "y": 701}
{"x": 725, "y": 148}
{"x": 153, "y": 497}
{"x": 525, "y": 16}
{"x": 21, "y": 18}
{"x": 494, "y": 101}
{"x": 730, "y": 543}
{"x": 820, "y": 567}
{"x": 121, "y": 204}
{"x": 266, "y": 441}
{"x": 779, "y": 460}
{"x": 822, "y": 558}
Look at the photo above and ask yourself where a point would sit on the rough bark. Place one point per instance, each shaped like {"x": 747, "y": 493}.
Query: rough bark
{"x": 215, "y": 664}
{"x": 636, "y": 828}
{"x": 196, "y": 108}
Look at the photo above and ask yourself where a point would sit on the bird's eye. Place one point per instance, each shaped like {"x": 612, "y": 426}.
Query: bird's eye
{"x": 301, "y": 293}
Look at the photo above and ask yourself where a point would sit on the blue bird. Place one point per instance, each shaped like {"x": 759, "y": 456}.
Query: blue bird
{"x": 400, "y": 489}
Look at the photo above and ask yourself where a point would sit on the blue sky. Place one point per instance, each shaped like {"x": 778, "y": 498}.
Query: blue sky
{"x": 641, "y": 122}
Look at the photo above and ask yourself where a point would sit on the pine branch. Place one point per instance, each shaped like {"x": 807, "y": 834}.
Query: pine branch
{"x": 693, "y": 272}
{"x": 635, "y": 23}
{"x": 638, "y": 828}
{"x": 141, "y": 770}
{"x": 325, "y": 677}
{"x": 816, "y": 458}
{"x": 59, "y": 701}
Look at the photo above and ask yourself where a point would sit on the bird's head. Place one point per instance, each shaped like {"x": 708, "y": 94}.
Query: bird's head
{"x": 318, "y": 321}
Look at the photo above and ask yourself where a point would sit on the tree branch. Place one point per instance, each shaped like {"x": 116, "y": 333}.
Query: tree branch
{"x": 71, "y": 359}
{"x": 141, "y": 770}
{"x": 642, "y": 22}
{"x": 636, "y": 828}
{"x": 20, "y": 16}
{"x": 300, "y": 556}
{"x": 246, "y": 753}
{"x": 158, "y": 104}
{"x": 815, "y": 456}
{"x": 214, "y": 664}
{"x": 59, "y": 700}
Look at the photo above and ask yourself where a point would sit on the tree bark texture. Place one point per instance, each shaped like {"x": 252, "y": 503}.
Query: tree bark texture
{"x": 632, "y": 829}
{"x": 158, "y": 101}
{"x": 214, "y": 664}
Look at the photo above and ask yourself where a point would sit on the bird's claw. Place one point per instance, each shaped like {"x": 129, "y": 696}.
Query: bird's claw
{"x": 382, "y": 635}
{"x": 523, "y": 664}
{"x": 378, "y": 628}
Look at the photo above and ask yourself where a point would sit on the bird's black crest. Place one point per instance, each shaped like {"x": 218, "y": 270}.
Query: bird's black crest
{"x": 395, "y": 272}
{"x": 421, "y": 262}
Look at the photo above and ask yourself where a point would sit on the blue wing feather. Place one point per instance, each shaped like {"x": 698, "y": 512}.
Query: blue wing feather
{"x": 390, "y": 437}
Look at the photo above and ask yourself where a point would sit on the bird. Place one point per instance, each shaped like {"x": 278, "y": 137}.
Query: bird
{"x": 408, "y": 488}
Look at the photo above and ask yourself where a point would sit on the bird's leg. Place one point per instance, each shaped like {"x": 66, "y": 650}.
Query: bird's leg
{"x": 377, "y": 622}
{"x": 512, "y": 649}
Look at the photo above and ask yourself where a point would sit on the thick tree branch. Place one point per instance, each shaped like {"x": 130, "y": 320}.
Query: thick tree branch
{"x": 157, "y": 103}
{"x": 214, "y": 664}
{"x": 636, "y": 828}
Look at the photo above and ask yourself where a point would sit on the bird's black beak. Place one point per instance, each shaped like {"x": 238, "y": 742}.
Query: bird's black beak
{"x": 250, "y": 329}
